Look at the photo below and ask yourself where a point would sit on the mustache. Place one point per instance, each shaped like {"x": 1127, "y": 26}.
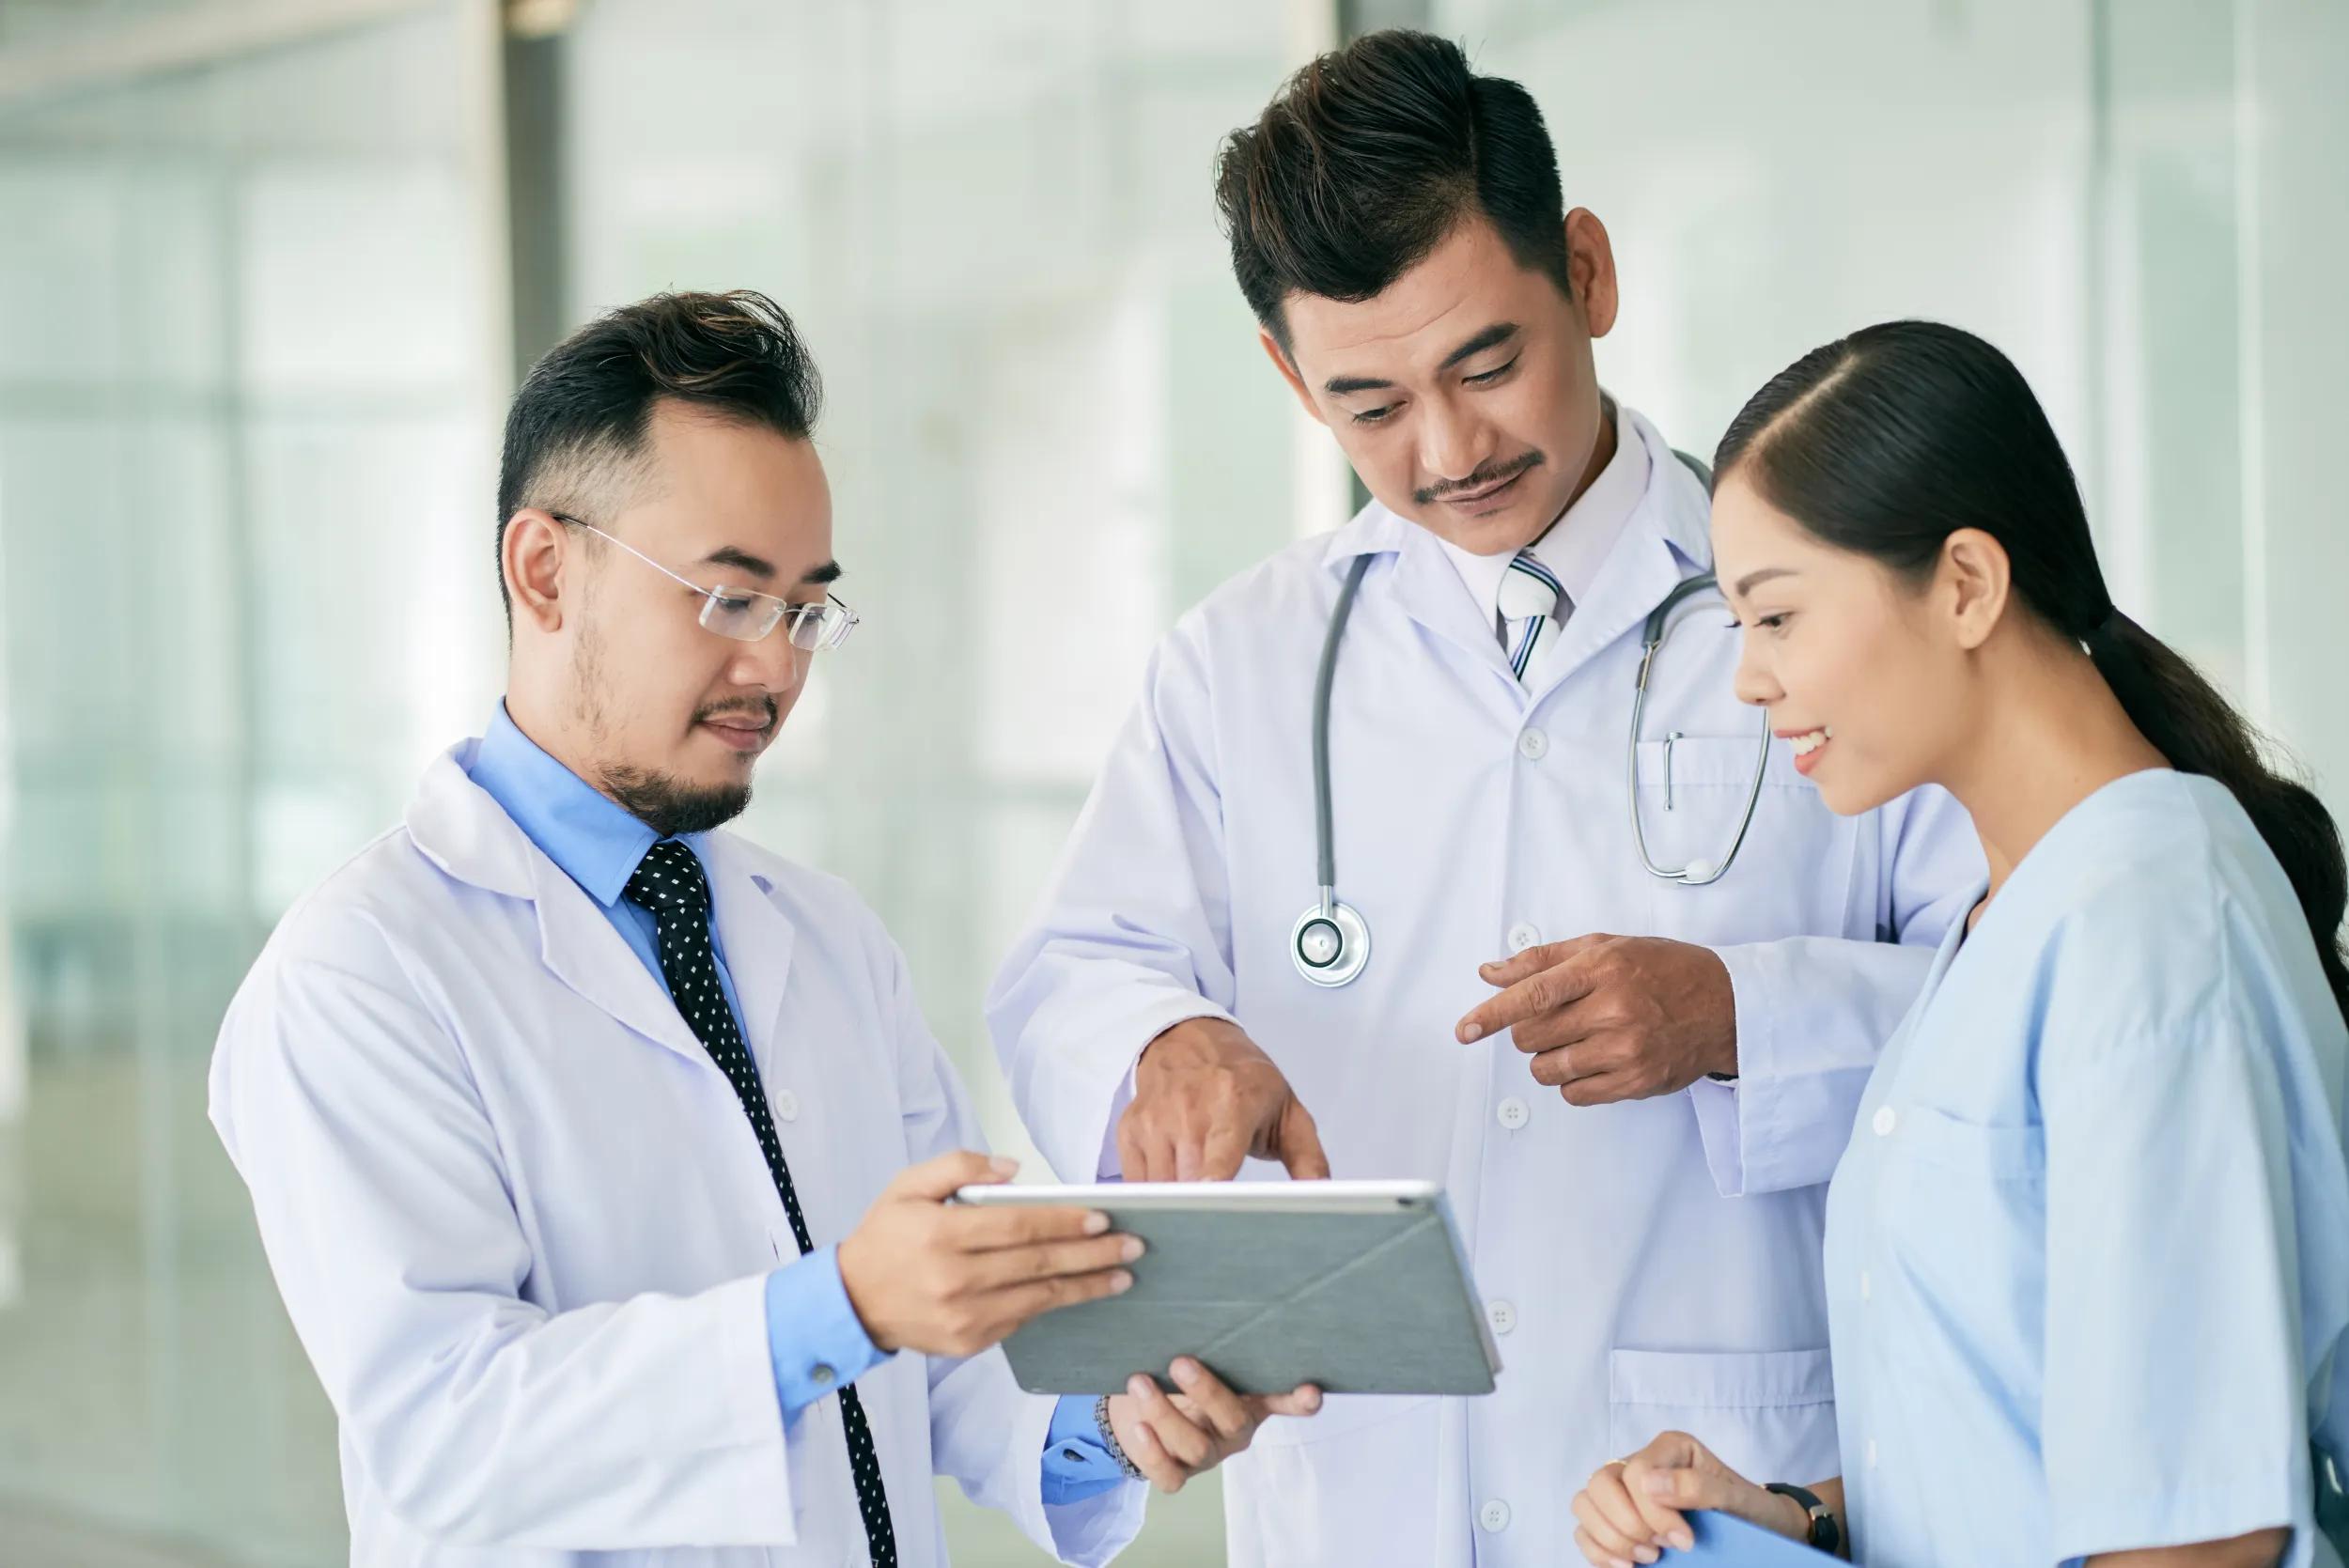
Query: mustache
{"x": 762, "y": 708}
{"x": 1487, "y": 474}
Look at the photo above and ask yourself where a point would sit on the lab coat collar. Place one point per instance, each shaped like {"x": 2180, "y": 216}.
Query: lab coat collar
{"x": 463, "y": 831}
{"x": 1667, "y": 537}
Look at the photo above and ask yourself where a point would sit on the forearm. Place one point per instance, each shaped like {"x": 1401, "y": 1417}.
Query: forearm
{"x": 1812, "y": 1013}
{"x": 1068, "y": 1031}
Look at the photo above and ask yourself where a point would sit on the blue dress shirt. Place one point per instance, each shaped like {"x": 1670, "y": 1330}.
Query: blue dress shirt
{"x": 2088, "y": 1254}
{"x": 813, "y": 1338}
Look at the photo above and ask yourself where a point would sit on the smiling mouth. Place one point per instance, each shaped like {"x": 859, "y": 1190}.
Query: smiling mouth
{"x": 1806, "y": 745}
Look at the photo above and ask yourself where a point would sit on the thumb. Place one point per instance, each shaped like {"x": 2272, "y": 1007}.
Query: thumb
{"x": 1299, "y": 1143}
{"x": 936, "y": 1180}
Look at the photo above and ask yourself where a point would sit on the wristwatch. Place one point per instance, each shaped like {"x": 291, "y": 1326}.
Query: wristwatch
{"x": 1109, "y": 1440}
{"x": 1825, "y": 1534}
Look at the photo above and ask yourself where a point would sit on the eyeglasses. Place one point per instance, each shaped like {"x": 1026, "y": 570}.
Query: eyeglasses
{"x": 747, "y": 616}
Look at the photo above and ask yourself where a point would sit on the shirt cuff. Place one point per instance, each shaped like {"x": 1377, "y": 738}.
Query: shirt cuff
{"x": 1076, "y": 1465}
{"x": 814, "y": 1337}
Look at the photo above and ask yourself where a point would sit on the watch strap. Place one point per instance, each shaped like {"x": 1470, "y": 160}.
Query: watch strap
{"x": 1825, "y": 1534}
{"x": 1109, "y": 1439}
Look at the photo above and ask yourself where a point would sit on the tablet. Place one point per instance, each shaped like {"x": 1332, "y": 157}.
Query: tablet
{"x": 1357, "y": 1287}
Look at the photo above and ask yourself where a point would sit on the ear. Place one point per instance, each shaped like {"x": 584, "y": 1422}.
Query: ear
{"x": 1975, "y": 579}
{"x": 1280, "y": 358}
{"x": 532, "y": 558}
{"x": 1591, "y": 262}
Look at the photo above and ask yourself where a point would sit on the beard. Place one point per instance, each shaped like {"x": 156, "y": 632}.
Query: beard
{"x": 670, "y": 806}
{"x": 667, "y": 804}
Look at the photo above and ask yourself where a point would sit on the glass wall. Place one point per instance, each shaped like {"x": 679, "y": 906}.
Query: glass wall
{"x": 253, "y": 349}
{"x": 248, "y": 370}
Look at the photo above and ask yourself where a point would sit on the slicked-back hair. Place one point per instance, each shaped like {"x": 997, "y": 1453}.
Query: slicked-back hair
{"x": 584, "y": 411}
{"x": 1372, "y": 156}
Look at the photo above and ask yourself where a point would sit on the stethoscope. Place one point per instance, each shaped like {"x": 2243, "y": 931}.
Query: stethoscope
{"x": 1330, "y": 941}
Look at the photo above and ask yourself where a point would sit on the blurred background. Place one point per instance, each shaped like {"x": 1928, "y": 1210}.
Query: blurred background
{"x": 269, "y": 269}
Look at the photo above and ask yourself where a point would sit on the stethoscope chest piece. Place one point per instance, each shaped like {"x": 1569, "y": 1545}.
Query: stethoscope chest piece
{"x": 1330, "y": 943}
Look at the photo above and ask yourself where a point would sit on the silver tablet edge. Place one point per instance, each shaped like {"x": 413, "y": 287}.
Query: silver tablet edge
{"x": 1355, "y": 1197}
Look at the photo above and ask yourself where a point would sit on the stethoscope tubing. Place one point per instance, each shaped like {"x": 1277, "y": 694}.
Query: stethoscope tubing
{"x": 1652, "y": 637}
{"x": 1324, "y": 833}
{"x": 1345, "y": 926}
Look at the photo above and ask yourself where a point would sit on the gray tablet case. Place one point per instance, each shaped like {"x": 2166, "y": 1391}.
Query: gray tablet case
{"x": 1358, "y": 1288}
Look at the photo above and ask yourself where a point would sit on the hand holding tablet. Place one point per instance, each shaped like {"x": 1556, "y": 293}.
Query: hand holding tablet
{"x": 1352, "y": 1287}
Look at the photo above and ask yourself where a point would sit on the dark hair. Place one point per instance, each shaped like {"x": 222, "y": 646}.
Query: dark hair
{"x": 584, "y": 409}
{"x": 1369, "y": 158}
{"x": 1888, "y": 440}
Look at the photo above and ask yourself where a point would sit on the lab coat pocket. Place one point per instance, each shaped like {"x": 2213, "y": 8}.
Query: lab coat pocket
{"x": 1769, "y": 1415}
{"x": 1792, "y": 870}
{"x": 1339, "y": 1415}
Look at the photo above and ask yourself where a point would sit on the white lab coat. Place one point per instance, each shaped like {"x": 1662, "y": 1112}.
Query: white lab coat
{"x": 1646, "y": 1266}
{"x": 522, "y": 1225}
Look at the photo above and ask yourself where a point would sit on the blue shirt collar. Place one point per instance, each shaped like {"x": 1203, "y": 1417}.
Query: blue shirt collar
{"x": 595, "y": 839}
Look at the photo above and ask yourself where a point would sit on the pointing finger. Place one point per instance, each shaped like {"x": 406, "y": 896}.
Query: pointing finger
{"x": 1544, "y": 992}
{"x": 1533, "y": 960}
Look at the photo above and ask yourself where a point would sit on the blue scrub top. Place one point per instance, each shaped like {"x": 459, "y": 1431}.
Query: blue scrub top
{"x": 2088, "y": 1254}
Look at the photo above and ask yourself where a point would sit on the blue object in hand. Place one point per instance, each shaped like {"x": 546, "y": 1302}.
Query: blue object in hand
{"x": 1724, "y": 1538}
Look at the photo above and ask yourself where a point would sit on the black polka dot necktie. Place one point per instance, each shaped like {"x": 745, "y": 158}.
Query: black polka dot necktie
{"x": 669, "y": 883}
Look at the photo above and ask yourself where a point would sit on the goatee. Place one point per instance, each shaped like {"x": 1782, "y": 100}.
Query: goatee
{"x": 671, "y": 807}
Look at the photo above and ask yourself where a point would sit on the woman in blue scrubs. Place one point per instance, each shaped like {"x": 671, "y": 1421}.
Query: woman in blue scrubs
{"x": 2087, "y": 1253}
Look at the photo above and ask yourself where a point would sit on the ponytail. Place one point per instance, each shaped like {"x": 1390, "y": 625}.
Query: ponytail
{"x": 1887, "y": 442}
{"x": 2190, "y": 722}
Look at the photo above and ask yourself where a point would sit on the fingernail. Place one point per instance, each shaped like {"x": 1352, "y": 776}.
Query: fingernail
{"x": 1684, "y": 1539}
{"x": 1004, "y": 1166}
{"x": 1620, "y": 1563}
{"x": 1132, "y": 1248}
{"x": 1120, "y": 1282}
{"x": 1469, "y": 1032}
{"x": 1095, "y": 1224}
{"x": 1137, "y": 1386}
{"x": 1645, "y": 1554}
{"x": 1186, "y": 1371}
{"x": 1658, "y": 1484}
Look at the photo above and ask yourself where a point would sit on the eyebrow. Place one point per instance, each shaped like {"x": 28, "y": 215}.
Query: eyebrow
{"x": 1492, "y": 336}
{"x": 1746, "y": 583}
{"x": 742, "y": 560}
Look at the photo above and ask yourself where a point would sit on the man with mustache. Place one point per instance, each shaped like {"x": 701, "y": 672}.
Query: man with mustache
{"x": 602, "y": 1157}
{"x": 1634, "y": 1130}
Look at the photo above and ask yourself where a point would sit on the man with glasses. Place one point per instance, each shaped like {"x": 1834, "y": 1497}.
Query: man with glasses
{"x": 548, "y": 1097}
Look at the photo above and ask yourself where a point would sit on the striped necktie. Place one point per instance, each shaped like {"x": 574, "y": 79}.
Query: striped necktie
{"x": 1529, "y": 604}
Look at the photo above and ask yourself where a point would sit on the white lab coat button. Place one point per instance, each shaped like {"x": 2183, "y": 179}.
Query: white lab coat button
{"x": 1501, "y": 1315}
{"x": 1883, "y": 1120}
{"x": 1493, "y": 1516}
{"x": 1514, "y": 1112}
{"x": 787, "y": 1105}
{"x": 1534, "y": 744}
{"x": 1524, "y": 934}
